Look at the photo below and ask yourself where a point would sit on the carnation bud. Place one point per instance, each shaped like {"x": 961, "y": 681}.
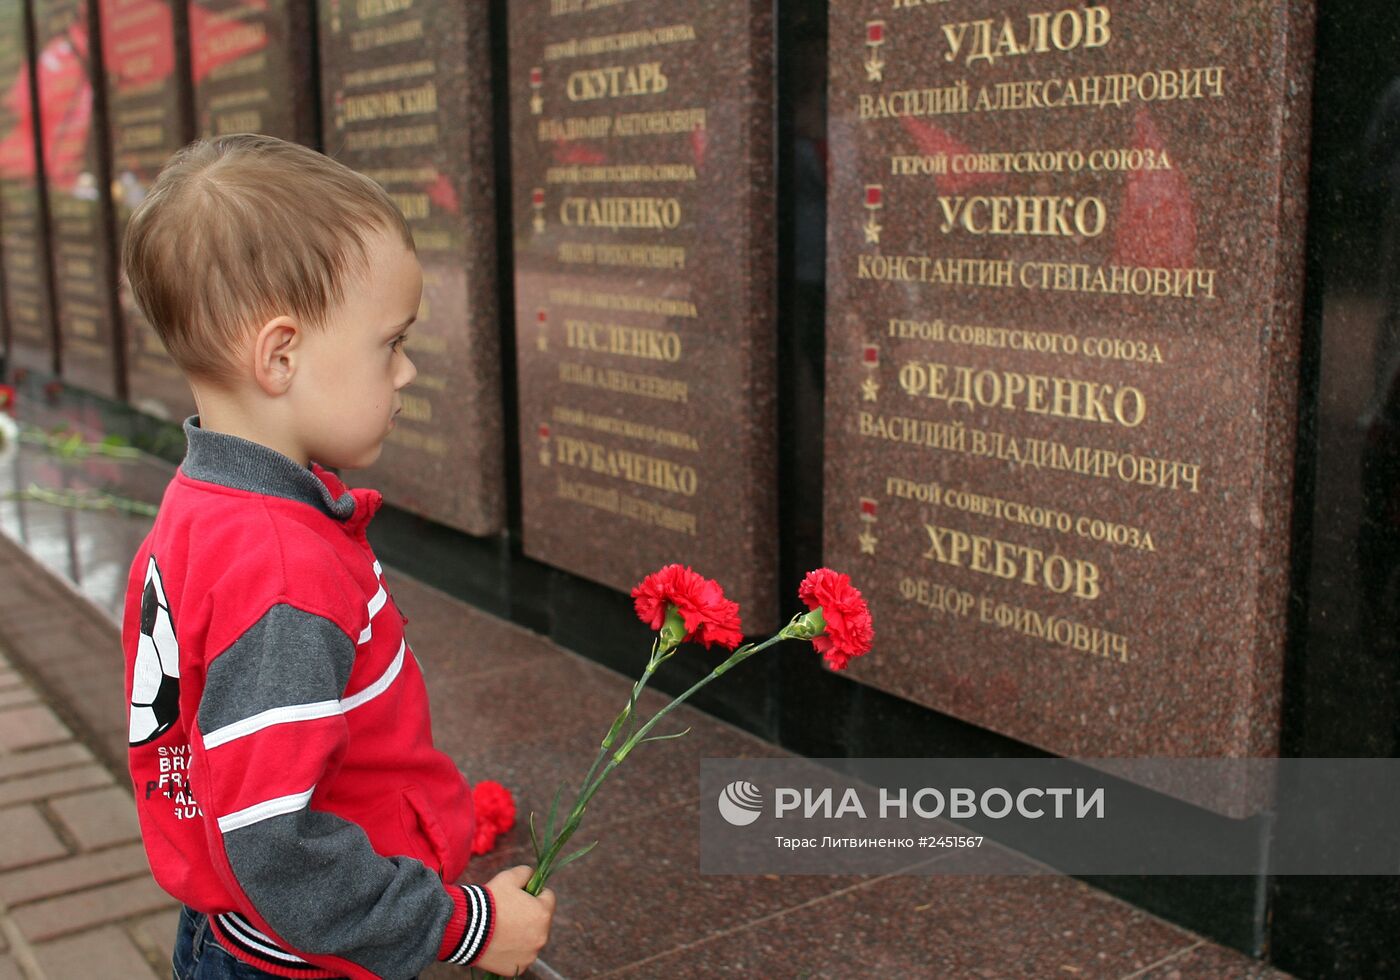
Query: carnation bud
{"x": 811, "y": 625}
{"x": 673, "y": 630}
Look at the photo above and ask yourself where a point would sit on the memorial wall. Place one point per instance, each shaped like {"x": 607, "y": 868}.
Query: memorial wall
{"x": 73, "y": 130}
{"x": 253, "y": 68}
{"x": 148, "y": 108}
{"x": 1062, "y": 307}
{"x": 24, "y": 255}
{"x": 642, "y": 174}
{"x": 1063, "y": 319}
{"x": 406, "y": 99}
{"x": 996, "y": 306}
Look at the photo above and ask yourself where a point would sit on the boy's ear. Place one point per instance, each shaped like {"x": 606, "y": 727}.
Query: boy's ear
{"x": 275, "y": 349}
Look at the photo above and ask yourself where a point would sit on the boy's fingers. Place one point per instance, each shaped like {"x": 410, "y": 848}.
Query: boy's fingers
{"x": 520, "y": 875}
{"x": 547, "y": 897}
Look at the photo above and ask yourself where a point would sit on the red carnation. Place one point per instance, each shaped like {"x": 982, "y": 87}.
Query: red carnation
{"x": 7, "y": 398}
{"x": 709, "y": 617}
{"x": 495, "y": 814}
{"x": 849, "y": 630}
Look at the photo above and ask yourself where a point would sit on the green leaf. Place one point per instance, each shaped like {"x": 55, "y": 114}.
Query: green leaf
{"x": 663, "y": 738}
{"x": 553, "y": 814}
{"x": 535, "y": 841}
{"x": 577, "y": 854}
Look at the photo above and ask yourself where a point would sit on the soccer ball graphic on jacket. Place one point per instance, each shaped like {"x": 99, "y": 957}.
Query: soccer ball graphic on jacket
{"x": 155, "y": 684}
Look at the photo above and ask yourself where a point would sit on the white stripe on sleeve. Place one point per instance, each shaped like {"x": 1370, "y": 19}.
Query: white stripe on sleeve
{"x": 265, "y": 810}
{"x": 379, "y": 686}
{"x": 268, "y": 718}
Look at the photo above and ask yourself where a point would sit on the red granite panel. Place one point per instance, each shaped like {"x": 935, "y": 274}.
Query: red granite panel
{"x": 406, "y": 99}
{"x": 1063, "y": 282}
{"x": 252, "y": 66}
{"x": 642, "y": 176}
{"x": 144, "y": 57}
{"x": 931, "y": 926}
{"x": 73, "y": 131}
{"x": 23, "y": 216}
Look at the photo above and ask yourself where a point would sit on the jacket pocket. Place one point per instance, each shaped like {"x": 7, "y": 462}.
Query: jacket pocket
{"x": 420, "y": 824}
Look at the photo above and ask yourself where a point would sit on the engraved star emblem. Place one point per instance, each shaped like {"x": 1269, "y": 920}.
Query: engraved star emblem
{"x": 875, "y": 69}
{"x": 872, "y": 231}
{"x": 868, "y": 542}
{"x": 536, "y": 104}
{"x": 870, "y": 390}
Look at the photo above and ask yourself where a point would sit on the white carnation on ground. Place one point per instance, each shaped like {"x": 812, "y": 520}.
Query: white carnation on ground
{"x": 9, "y": 437}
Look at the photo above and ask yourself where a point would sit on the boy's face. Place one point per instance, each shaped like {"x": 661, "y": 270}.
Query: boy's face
{"x": 350, "y": 374}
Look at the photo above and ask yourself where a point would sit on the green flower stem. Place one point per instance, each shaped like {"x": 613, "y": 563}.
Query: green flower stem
{"x": 86, "y": 500}
{"x": 73, "y": 445}
{"x": 662, "y": 649}
{"x": 659, "y": 654}
{"x": 801, "y": 627}
{"x": 541, "y": 875}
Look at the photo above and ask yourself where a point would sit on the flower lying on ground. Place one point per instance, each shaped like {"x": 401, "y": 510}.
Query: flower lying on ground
{"x": 495, "y": 814}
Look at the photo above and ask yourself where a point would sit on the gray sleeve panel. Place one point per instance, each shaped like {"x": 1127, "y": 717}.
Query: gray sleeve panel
{"x": 313, "y": 876}
{"x": 322, "y": 888}
{"x": 289, "y": 656}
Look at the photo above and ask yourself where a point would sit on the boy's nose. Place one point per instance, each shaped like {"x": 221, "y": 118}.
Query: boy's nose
{"x": 409, "y": 373}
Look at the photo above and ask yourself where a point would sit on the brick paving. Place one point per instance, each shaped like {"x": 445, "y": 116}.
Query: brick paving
{"x": 76, "y": 897}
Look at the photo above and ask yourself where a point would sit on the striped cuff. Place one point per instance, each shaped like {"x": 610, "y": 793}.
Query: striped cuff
{"x": 471, "y": 926}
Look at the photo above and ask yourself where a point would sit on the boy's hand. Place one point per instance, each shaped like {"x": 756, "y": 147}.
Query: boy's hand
{"x": 522, "y": 923}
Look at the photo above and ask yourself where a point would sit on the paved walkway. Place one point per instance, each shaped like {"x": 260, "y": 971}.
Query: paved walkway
{"x": 76, "y": 897}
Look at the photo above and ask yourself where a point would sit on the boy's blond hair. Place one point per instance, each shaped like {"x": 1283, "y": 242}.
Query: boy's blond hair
{"x": 240, "y": 229}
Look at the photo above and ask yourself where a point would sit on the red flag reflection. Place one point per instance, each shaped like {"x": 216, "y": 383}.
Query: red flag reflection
{"x": 65, "y": 105}
{"x": 17, "y": 145}
{"x": 1158, "y": 223}
{"x": 934, "y": 141}
{"x": 216, "y": 39}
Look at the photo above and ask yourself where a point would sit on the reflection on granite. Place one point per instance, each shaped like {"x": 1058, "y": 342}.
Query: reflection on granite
{"x": 90, "y": 549}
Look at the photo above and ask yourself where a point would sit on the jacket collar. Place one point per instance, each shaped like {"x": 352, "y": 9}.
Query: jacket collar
{"x": 232, "y": 461}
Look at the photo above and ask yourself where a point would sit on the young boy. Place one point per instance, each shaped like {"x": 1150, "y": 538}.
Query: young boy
{"x": 288, "y": 788}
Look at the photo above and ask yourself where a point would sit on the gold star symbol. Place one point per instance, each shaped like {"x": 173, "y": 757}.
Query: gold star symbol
{"x": 544, "y": 456}
{"x": 868, "y": 542}
{"x": 539, "y": 223}
{"x": 536, "y": 104}
{"x": 870, "y": 389}
{"x": 875, "y": 69}
{"x": 542, "y": 342}
{"x": 872, "y": 231}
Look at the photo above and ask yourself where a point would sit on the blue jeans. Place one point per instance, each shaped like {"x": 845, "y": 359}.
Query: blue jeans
{"x": 198, "y": 955}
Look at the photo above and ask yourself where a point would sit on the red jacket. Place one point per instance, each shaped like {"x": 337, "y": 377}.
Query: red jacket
{"x": 281, "y": 749}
